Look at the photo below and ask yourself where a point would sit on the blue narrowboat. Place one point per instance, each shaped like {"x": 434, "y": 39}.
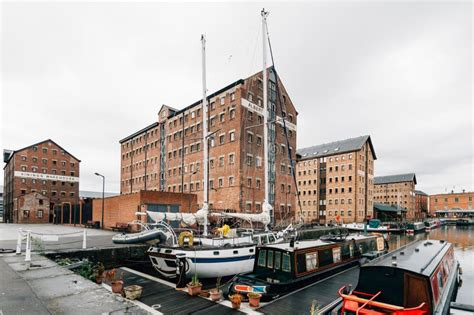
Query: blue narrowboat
{"x": 419, "y": 278}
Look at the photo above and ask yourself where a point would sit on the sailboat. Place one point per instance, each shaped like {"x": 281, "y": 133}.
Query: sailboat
{"x": 210, "y": 256}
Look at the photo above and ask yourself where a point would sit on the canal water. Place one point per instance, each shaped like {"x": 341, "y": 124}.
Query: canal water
{"x": 461, "y": 237}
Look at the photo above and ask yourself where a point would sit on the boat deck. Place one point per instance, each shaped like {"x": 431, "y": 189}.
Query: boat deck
{"x": 323, "y": 293}
{"x": 161, "y": 296}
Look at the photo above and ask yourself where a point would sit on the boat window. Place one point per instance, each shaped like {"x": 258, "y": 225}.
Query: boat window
{"x": 285, "y": 263}
{"x": 336, "y": 254}
{"x": 277, "y": 260}
{"x": 363, "y": 247}
{"x": 301, "y": 263}
{"x": 271, "y": 238}
{"x": 440, "y": 279}
{"x": 346, "y": 251}
{"x": 311, "y": 261}
{"x": 270, "y": 259}
{"x": 351, "y": 249}
{"x": 262, "y": 257}
{"x": 325, "y": 257}
{"x": 256, "y": 239}
{"x": 236, "y": 251}
{"x": 168, "y": 251}
{"x": 264, "y": 239}
{"x": 251, "y": 250}
{"x": 372, "y": 245}
{"x": 216, "y": 253}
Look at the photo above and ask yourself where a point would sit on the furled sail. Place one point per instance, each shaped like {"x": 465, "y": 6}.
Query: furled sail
{"x": 262, "y": 217}
{"x": 199, "y": 217}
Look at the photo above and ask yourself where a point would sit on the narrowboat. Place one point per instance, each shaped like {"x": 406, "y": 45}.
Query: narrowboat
{"x": 395, "y": 227}
{"x": 431, "y": 224}
{"x": 280, "y": 269}
{"x": 419, "y": 278}
{"x": 373, "y": 225}
{"x": 415, "y": 227}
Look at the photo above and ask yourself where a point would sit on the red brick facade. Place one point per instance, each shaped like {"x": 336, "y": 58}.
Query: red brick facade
{"x": 421, "y": 203}
{"x": 174, "y": 150}
{"x": 45, "y": 168}
{"x": 449, "y": 201}
{"x": 336, "y": 181}
{"x": 122, "y": 208}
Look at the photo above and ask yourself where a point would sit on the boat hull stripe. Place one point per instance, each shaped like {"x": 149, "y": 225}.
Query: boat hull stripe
{"x": 220, "y": 259}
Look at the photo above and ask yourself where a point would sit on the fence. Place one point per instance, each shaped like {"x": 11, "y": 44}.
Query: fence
{"x": 28, "y": 236}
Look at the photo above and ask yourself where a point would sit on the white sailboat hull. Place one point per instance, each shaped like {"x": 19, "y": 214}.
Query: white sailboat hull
{"x": 206, "y": 263}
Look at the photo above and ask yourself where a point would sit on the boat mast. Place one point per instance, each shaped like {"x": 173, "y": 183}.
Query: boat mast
{"x": 266, "y": 204}
{"x": 204, "y": 130}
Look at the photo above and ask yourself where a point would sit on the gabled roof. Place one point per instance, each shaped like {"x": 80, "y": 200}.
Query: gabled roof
{"x": 398, "y": 178}
{"x": 38, "y": 143}
{"x": 336, "y": 147}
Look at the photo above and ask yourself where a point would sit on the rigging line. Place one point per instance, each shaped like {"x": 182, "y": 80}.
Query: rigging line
{"x": 252, "y": 62}
{"x": 284, "y": 123}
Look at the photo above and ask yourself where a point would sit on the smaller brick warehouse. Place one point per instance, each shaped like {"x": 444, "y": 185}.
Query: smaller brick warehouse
{"x": 122, "y": 209}
{"x": 45, "y": 168}
{"x": 31, "y": 208}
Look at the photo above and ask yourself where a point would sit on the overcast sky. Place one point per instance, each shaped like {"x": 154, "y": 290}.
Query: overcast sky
{"x": 88, "y": 74}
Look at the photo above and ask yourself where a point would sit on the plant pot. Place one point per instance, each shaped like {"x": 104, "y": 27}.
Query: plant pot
{"x": 99, "y": 280}
{"x": 133, "y": 292}
{"x": 204, "y": 293}
{"x": 194, "y": 289}
{"x": 117, "y": 286}
{"x": 216, "y": 295}
{"x": 254, "y": 299}
{"x": 236, "y": 305}
{"x": 235, "y": 299}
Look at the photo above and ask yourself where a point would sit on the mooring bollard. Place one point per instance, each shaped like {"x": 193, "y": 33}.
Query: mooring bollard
{"x": 28, "y": 249}
{"x": 18, "y": 242}
{"x": 84, "y": 237}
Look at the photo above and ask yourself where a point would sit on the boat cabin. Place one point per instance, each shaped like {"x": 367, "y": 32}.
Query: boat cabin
{"x": 290, "y": 265}
{"x": 299, "y": 259}
{"x": 421, "y": 276}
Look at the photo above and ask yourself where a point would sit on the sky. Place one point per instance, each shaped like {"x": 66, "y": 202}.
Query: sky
{"x": 88, "y": 74}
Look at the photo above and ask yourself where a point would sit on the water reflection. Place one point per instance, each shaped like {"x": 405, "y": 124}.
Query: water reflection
{"x": 461, "y": 237}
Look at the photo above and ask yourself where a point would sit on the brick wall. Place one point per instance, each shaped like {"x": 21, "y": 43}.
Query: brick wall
{"x": 123, "y": 208}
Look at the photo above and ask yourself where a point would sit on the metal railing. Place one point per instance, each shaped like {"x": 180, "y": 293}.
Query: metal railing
{"x": 28, "y": 236}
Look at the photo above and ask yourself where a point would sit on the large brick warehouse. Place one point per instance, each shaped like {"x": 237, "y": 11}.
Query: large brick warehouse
{"x": 40, "y": 173}
{"x": 168, "y": 154}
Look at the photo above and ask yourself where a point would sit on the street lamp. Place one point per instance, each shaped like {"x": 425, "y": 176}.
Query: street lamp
{"x": 103, "y": 192}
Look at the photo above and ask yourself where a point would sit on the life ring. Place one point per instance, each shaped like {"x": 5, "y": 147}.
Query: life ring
{"x": 185, "y": 235}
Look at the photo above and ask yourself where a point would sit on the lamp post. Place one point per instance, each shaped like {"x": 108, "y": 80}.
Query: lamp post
{"x": 103, "y": 193}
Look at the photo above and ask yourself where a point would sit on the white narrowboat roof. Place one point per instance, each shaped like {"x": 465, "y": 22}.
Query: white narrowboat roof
{"x": 313, "y": 243}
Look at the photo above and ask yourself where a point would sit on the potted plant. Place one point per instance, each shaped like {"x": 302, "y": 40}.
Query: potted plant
{"x": 115, "y": 283}
{"x": 133, "y": 292}
{"x": 194, "y": 287}
{"x": 254, "y": 299}
{"x": 236, "y": 299}
{"x": 98, "y": 272}
{"x": 216, "y": 293}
